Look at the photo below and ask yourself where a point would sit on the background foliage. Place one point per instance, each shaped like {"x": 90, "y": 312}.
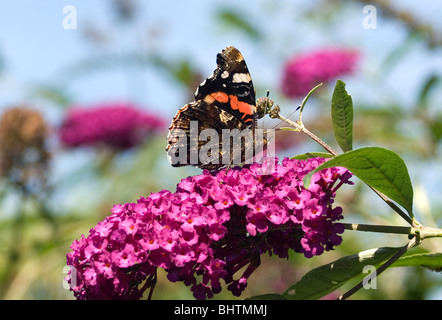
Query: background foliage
{"x": 155, "y": 55}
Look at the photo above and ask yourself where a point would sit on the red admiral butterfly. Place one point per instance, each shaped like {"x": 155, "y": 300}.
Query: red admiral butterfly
{"x": 224, "y": 109}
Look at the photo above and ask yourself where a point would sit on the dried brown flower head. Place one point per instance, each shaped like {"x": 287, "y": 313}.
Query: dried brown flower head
{"x": 23, "y": 154}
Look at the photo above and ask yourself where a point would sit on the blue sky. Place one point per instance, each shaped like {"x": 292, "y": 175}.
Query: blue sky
{"x": 36, "y": 49}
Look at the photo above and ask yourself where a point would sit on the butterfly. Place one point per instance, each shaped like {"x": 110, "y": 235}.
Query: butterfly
{"x": 219, "y": 127}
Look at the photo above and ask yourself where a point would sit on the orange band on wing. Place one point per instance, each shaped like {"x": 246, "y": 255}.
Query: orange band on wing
{"x": 243, "y": 107}
{"x": 217, "y": 96}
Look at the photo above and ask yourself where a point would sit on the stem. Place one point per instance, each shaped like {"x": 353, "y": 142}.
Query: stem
{"x": 150, "y": 282}
{"x": 421, "y": 232}
{"x": 301, "y": 128}
{"x": 305, "y": 101}
{"x": 153, "y": 281}
{"x": 381, "y": 229}
{"x": 428, "y": 232}
{"x": 393, "y": 206}
{"x": 381, "y": 269}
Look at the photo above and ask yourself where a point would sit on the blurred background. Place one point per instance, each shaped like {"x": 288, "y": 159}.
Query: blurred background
{"x": 88, "y": 90}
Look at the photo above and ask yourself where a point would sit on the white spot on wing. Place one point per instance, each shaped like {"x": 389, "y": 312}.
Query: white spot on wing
{"x": 224, "y": 75}
{"x": 241, "y": 77}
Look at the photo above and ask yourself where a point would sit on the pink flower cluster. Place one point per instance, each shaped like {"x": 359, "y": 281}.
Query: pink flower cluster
{"x": 303, "y": 72}
{"x": 117, "y": 125}
{"x": 215, "y": 224}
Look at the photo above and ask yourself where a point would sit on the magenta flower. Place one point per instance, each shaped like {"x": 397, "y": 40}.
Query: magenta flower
{"x": 215, "y": 224}
{"x": 305, "y": 71}
{"x": 117, "y": 125}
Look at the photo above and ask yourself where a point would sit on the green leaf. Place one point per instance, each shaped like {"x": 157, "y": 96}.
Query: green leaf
{"x": 380, "y": 168}
{"x": 342, "y": 116}
{"x": 310, "y": 155}
{"x": 235, "y": 19}
{"x": 53, "y": 94}
{"x": 435, "y": 126}
{"x": 304, "y": 102}
{"x": 327, "y": 278}
{"x": 183, "y": 72}
{"x": 427, "y": 87}
{"x": 430, "y": 260}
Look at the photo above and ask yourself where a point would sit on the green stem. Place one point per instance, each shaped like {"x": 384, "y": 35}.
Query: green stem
{"x": 428, "y": 232}
{"x": 393, "y": 206}
{"x": 300, "y": 127}
{"x": 381, "y": 229}
{"x": 421, "y": 232}
{"x": 305, "y": 101}
{"x": 414, "y": 241}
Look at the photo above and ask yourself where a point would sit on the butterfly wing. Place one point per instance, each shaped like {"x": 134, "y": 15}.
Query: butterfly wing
{"x": 230, "y": 87}
{"x": 225, "y": 100}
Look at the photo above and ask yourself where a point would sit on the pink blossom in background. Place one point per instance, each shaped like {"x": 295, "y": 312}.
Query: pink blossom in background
{"x": 303, "y": 72}
{"x": 117, "y": 125}
{"x": 213, "y": 226}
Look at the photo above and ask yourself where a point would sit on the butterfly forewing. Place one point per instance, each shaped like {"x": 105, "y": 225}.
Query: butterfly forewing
{"x": 224, "y": 102}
